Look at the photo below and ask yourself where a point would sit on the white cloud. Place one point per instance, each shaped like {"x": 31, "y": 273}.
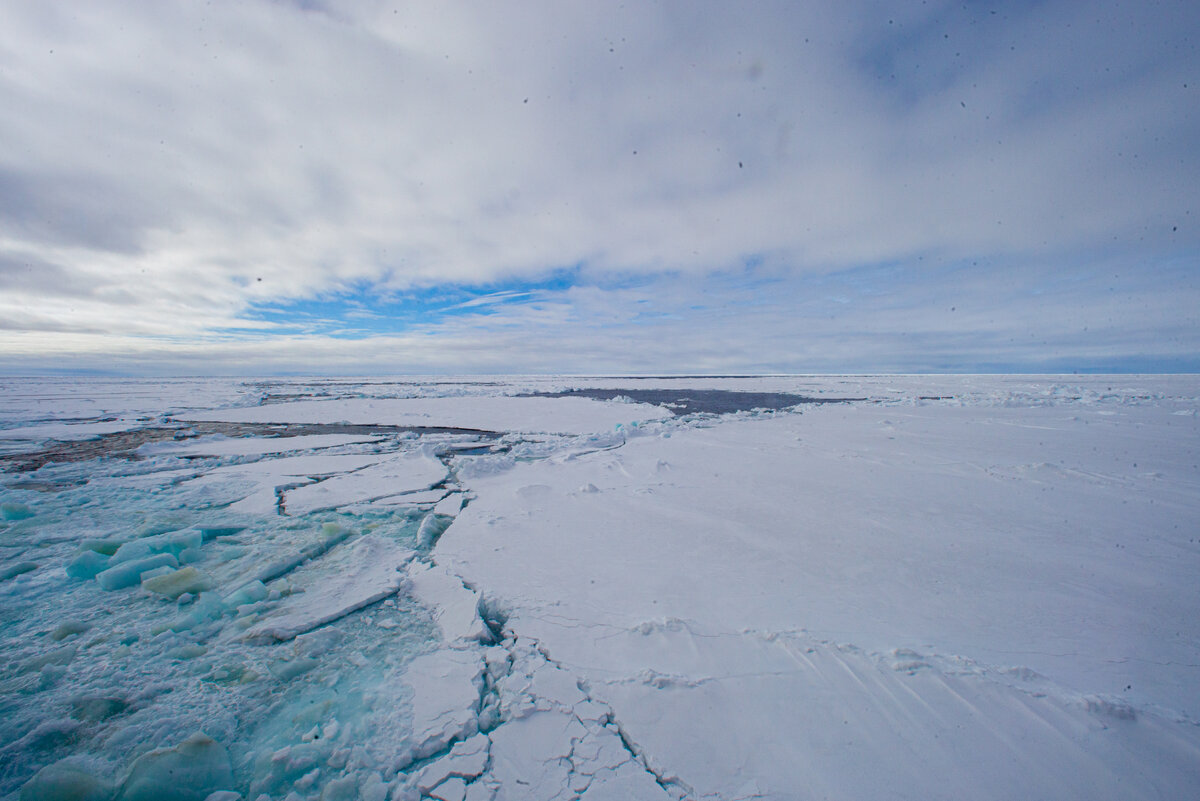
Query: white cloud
{"x": 163, "y": 158}
{"x": 491, "y": 299}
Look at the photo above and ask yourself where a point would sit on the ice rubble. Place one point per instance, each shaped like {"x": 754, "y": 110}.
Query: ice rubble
{"x": 911, "y": 595}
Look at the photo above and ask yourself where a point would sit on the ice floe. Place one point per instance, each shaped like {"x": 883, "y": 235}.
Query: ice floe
{"x": 252, "y": 446}
{"x": 413, "y": 471}
{"x": 357, "y": 575}
{"x": 488, "y": 413}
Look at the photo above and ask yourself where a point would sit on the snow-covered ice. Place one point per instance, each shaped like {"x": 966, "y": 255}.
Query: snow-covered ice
{"x": 411, "y": 472}
{"x": 251, "y": 446}
{"x": 952, "y": 586}
{"x": 489, "y": 413}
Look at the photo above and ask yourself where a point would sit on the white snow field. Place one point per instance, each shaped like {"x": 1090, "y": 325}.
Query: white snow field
{"x": 925, "y": 587}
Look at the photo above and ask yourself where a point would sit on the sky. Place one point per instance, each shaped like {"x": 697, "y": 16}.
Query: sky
{"x": 272, "y": 187}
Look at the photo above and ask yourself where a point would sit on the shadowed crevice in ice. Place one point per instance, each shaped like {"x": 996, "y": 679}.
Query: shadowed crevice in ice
{"x": 493, "y": 713}
{"x": 552, "y": 733}
{"x": 699, "y": 401}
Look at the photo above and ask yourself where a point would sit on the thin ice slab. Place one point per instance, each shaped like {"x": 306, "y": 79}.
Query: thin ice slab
{"x": 349, "y": 578}
{"x": 410, "y": 471}
{"x": 260, "y": 479}
{"x": 445, "y": 687}
{"x": 252, "y": 446}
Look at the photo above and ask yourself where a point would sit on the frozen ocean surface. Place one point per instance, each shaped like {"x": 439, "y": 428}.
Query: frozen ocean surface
{"x": 600, "y": 588}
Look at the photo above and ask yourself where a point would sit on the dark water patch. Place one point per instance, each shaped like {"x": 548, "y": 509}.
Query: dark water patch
{"x": 700, "y": 401}
{"x": 118, "y": 443}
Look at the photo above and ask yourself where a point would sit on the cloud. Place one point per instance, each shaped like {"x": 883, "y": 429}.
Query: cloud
{"x": 492, "y": 299}
{"x": 882, "y": 318}
{"x": 166, "y": 157}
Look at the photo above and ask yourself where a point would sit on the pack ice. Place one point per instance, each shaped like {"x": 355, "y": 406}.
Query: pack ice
{"x": 567, "y": 588}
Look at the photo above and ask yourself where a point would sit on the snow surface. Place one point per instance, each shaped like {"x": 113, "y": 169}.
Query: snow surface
{"x": 955, "y": 587}
{"x": 871, "y": 568}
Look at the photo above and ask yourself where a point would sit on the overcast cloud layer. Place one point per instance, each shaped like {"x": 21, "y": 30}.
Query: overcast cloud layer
{"x": 593, "y": 187}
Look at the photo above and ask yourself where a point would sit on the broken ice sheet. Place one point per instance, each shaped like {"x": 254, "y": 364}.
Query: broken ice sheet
{"x": 490, "y": 413}
{"x": 419, "y": 498}
{"x": 252, "y": 446}
{"x": 252, "y": 488}
{"x": 353, "y": 576}
{"x": 408, "y": 472}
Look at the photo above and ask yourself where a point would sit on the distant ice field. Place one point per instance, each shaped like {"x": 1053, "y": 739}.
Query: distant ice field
{"x": 594, "y": 587}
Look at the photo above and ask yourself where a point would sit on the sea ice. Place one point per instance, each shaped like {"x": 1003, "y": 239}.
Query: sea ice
{"x": 432, "y": 526}
{"x": 494, "y": 413}
{"x": 65, "y": 781}
{"x": 173, "y": 543}
{"x": 12, "y": 571}
{"x": 467, "y": 760}
{"x": 419, "y": 498}
{"x": 188, "y": 772}
{"x": 258, "y": 483}
{"x": 884, "y": 528}
{"x": 404, "y": 473}
{"x": 67, "y": 431}
{"x": 455, "y": 608}
{"x": 15, "y": 511}
{"x": 909, "y": 595}
{"x": 127, "y": 574}
{"x": 253, "y": 446}
{"x": 450, "y": 505}
{"x": 174, "y": 583}
{"x": 353, "y": 576}
{"x": 331, "y": 534}
{"x": 446, "y": 685}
